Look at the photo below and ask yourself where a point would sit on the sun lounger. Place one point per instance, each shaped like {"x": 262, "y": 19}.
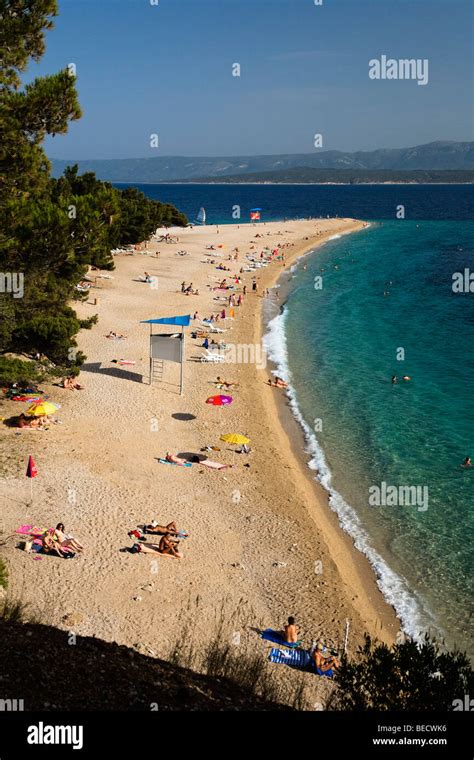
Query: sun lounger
{"x": 212, "y": 356}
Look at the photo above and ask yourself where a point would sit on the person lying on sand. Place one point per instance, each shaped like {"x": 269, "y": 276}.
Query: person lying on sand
{"x": 225, "y": 383}
{"x": 114, "y": 336}
{"x": 167, "y": 546}
{"x": 162, "y": 530}
{"x": 71, "y": 385}
{"x": 30, "y": 422}
{"x": 290, "y": 631}
{"x": 175, "y": 459}
{"x": 277, "y": 383}
{"x": 67, "y": 541}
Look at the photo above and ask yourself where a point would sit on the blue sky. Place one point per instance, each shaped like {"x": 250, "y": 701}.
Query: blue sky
{"x": 167, "y": 69}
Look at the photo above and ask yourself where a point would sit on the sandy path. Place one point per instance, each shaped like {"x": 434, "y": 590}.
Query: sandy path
{"x": 99, "y": 475}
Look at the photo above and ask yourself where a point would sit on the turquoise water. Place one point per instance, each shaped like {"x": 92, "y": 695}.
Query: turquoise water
{"x": 340, "y": 353}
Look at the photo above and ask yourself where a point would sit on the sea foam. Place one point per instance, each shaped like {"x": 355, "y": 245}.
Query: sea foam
{"x": 414, "y": 617}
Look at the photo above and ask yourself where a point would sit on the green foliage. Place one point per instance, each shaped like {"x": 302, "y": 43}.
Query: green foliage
{"x": 3, "y": 574}
{"x": 51, "y": 230}
{"x": 17, "y": 371}
{"x": 406, "y": 676}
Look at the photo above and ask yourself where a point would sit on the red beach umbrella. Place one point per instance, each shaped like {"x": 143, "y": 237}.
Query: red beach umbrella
{"x": 31, "y": 472}
{"x": 219, "y": 400}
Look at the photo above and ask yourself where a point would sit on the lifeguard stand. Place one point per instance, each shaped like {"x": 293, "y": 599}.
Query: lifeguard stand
{"x": 167, "y": 347}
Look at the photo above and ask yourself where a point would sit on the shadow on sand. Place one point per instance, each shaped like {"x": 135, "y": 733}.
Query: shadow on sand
{"x": 122, "y": 374}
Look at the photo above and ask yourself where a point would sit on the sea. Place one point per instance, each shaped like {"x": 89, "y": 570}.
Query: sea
{"x": 360, "y": 310}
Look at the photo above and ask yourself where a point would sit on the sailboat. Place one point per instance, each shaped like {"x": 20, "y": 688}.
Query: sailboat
{"x": 201, "y": 217}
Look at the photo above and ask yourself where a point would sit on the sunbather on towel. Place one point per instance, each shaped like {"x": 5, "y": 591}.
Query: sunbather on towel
{"x": 51, "y": 545}
{"x": 29, "y": 422}
{"x": 162, "y": 530}
{"x": 67, "y": 541}
{"x": 324, "y": 660}
{"x": 175, "y": 459}
{"x": 167, "y": 546}
{"x": 225, "y": 383}
{"x": 290, "y": 631}
{"x": 71, "y": 385}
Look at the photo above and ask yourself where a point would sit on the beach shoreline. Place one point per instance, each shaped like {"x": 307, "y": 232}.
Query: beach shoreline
{"x": 264, "y": 534}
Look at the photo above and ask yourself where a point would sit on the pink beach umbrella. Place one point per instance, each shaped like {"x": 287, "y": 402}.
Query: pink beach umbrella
{"x": 219, "y": 400}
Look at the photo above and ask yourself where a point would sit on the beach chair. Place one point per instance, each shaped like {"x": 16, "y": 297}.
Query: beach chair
{"x": 212, "y": 356}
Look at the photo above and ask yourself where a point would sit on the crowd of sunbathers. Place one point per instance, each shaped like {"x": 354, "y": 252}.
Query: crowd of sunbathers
{"x": 169, "y": 541}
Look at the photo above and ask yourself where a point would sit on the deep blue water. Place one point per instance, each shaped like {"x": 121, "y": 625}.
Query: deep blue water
{"x": 299, "y": 201}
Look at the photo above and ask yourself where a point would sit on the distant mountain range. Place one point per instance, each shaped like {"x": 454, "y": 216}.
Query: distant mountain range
{"x": 433, "y": 157}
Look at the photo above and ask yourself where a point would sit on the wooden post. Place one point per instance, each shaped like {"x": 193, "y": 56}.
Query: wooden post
{"x": 346, "y": 638}
{"x": 182, "y": 362}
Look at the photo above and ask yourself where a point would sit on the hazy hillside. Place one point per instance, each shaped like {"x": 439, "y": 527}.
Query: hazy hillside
{"x": 346, "y": 176}
{"x": 433, "y": 156}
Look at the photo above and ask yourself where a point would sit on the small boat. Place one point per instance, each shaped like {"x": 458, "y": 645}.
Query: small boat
{"x": 201, "y": 217}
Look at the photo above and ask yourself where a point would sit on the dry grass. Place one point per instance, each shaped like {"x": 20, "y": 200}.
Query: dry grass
{"x": 231, "y": 653}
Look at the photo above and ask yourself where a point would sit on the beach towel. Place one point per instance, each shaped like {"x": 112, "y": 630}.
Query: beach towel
{"x": 299, "y": 659}
{"x": 295, "y": 658}
{"x": 276, "y": 637}
{"x": 30, "y": 530}
{"x": 214, "y": 465}
{"x": 27, "y": 397}
{"x": 165, "y": 461}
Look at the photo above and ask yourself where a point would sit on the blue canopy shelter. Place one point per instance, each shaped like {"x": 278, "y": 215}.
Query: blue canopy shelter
{"x": 167, "y": 346}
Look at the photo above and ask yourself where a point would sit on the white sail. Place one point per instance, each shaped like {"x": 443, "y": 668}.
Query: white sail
{"x": 201, "y": 217}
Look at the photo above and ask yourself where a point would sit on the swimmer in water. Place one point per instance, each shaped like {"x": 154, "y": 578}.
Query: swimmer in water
{"x": 406, "y": 378}
{"x": 394, "y": 379}
{"x": 467, "y": 462}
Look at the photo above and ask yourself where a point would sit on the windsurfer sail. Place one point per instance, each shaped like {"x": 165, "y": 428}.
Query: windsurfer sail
{"x": 201, "y": 217}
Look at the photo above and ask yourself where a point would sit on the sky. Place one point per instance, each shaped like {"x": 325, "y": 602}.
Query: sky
{"x": 166, "y": 69}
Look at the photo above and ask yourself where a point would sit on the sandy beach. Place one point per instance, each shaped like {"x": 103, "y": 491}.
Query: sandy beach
{"x": 262, "y": 540}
